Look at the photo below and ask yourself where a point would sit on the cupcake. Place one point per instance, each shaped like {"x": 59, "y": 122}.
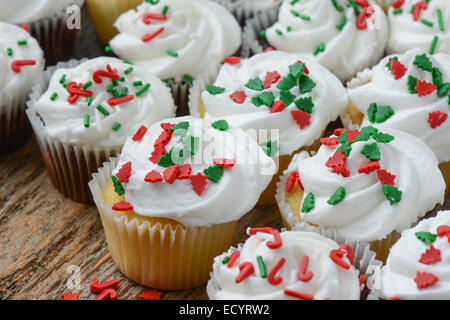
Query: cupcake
{"x": 385, "y": 4}
{"x": 418, "y": 264}
{"x": 21, "y": 66}
{"x": 366, "y": 184}
{"x": 83, "y": 111}
{"x": 244, "y": 9}
{"x": 286, "y": 101}
{"x": 289, "y": 265}
{"x": 179, "y": 41}
{"x": 419, "y": 24}
{"x": 104, "y": 14}
{"x": 408, "y": 92}
{"x": 171, "y": 202}
{"x": 47, "y": 22}
{"x": 345, "y": 37}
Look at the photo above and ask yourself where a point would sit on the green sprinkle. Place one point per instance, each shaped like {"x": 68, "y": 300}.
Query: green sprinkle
{"x": 412, "y": 82}
{"x": 137, "y": 83}
{"x": 172, "y": 53}
{"x": 122, "y": 79}
{"x": 262, "y": 266}
{"x": 426, "y": 237}
{"x": 53, "y": 96}
{"x": 437, "y": 77}
{"x": 366, "y": 133}
{"x": 102, "y": 110}
{"x": 346, "y": 148}
{"x": 153, "y": 2}
{"x": 166, "y": 160}
{"x": 118, "y": 188}
{"x": 397, "y": 11}
{"x": 180, "y": 129}
{"x": 443, "y": 90}
{"x": 294, "y": 2}
{"x": 412, "y": 9}
{"x": 337, "y": 196}
{"x": 423, "y": 62}
{"x": 305, "y": 17}
{"x": 124, "y": 92}
{"x": 89, "y": 100}
{"x": 319, "y": 48}
{"x": 381, "y": 137}
{"x": 129, "y": 70}
{"x": 143, "y": 90}
{"x": 9, "y": 52}
{"x": 127, "y": 62}
{"x": 379, "y": 114}
{"x": 341, "y": 24}
{"x": 426, "y": 22}
{"x": 352, "y": 4}
{"x": 263, "y": 35}
{"x": 287, "y": 97}
{"x": 288, "y": 29}
{"x": 86, "y": 121}
{"x": 433, "y": 44}
{"x": 22, "y": 42}
{"x": 62, "y": 80}
{"x": 371, "y": 151}
{"x": 225, "y": 260}
{"x": 270, "y": 148}
{"x": 87, "y": 85}
{"x": 306, "y": 84}
{"x": 343, "y": 136}
{"x": 393, "y": 195}
{"x": 305, "y": 104}
{"x": 279, "y": 32}
{"x": 116, "y": 93}
{"x": 191, "y": 144}
{"x": 110, "y": 88}
{"x": 337, "y": 6}
{"x": 165, "y": 10}
{"x": 115, "y": 82}
{"x": 214, "y": 173}
{"x": 295, "y": 13}
{"x": 265, "y": 98}
{"x": 297, "y": 69}
{"x": 287, "y": 83}
{"x": 221, "y": 125}
{"x": 255, "y": 84}
{"x": 308, "y": 203}
{"x": 188, "y": 78}
{"x": 440, "y": 20}
{"x": 214, "y": 90}
{"x": 388, "y": 65}
{"x": 108, "y": 49}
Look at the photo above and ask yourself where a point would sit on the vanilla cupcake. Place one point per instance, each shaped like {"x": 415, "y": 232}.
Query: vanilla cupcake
{"x": 21, "y": 66}
{"x": 343, "y": 36}
{"x": 172, "y": 201}
{"x": 366, "y": 184}
{"x": 47, "y": 21}
{"x": 419, "y": 24}
{"x": 82, "y": 113}
{"x": 286, "y": 101}
{"x": 418, "y": 264}
{"x": 179, "y": 41}
{"x": 289, "y": 265}
{"x": 408, "y": 92}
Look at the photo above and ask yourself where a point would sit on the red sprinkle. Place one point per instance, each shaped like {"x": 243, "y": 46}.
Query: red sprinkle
{"x": 302, "y": 118}
{"x": 436, "y": 118}
{"x": 330, "y": 141}
{"x": 361, "y": 20}
{"x": 184, "y": 172}
{"x": 163, "y": 138}
{"x": 75, "y": 89}
{"x": 147, "y": 17}
{"x": 424, "y": 88}
{"x": 395, "y": 298}
{"x": 362, "y": 3}
{"x": 99, "y": 74}
{"x": 271, "y": 276}
{"x": 254, "y": 231}
{"x": 70, "y": 296}
{"x": 150, "y": 36}
{"x": 277, "y": 242}
{"x": 233, "y": 257}
{"x": 150, "y": 295}
{"x": 386, "y": 177}
{"x": 337, "y": 160}
{"x": 107, "y": 294}
{"x": 199, "y": 182}
{"x": 305, "y": 71}
{"x": 349, "y": 251}
{"x": 117, "y": 101}
{"x": 336, "y": 256}
{"x": 417, "y": 8}
{"x": 277, "y": 106}
{"x": 232, "y": 60}
{"x": 25, "y": 27}
{"x": 298, "y": 295}
{"x": 171, "y": 174}
{"x": 361, "y": 279}
{"x": 17, "y": 65}
{"x": 140, "y": 133}
{"x": 444, "y": 231}
{"x": 303, "y": 274}
{"x": 246, "y": 269}
{"x": 271, "y": 78}
{"x": 122, "y": 206}
{"x": 159, "y": 151}
{"x": 269, "y": 49}
{"x": 369, "y": 167}
{"x": 398, "y": 69}
{"x": 99, "y": 287}
{"x": 398, "y": 4}
{"x": 167, "y": 126}
{"x": 224, "y": 163}
{"x": 425, "y": 279}
{"x": 351, "y": 135}
{"x": 430, "y": 256}
{"x": 293, "y": 178}
{"x": 124, "y": 172}
{"x": 337, "y": 132}
{"x": 153, "y": 177}
{"x": 238, "y": 97}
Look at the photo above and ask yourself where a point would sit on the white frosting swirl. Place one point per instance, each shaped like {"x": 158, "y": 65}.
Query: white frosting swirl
{"x": 220, "y": 202}
{"x": 13, "y": 84}
{"x": 397, "y": 276}
{"x": 411, "y": 111}
{"x": 200, "y": 32}
{"x": 346, "y": 51}
{"x": 328, "y": 96}
{"x": 365, "y": 212}
{"x": 407, "y": 33}
{"x": 27, "y": 11}
{"x": 65, "y": 121}
{"x": 329, "y": 280}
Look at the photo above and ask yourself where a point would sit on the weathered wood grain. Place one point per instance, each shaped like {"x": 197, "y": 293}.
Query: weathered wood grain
{"x": 42, "y": 234}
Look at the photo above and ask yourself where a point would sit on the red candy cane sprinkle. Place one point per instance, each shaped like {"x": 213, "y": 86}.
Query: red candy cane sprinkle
{"x": 224, "y": 163}
{"x": 369, "y": 167}
{"x": 99, "y": 74}
{"x": 246, "y": 269}
{"x": 107, "y": 294}
{"x": 238, "y": 97}
{"x": 422, "y": 5}
{"x": 25, "y": 27}
{"x": 153, "y": 177}
{"x": 398, "y": 4}
{"x": 97, "y": 287}
{"x": 298, "y": 295}
{"x": 386, "y": 177}
{"x": 75, "y": 89}
{"x": 277, "y": 242}
{"x": 70, "y": 296}
{"x": 150, "y": 36}
{"x": 437, "y": 118}
{"x": 277, "y": 106}
{"x": 424, "y": 88}
{"x": 232, "y": 60}
{"x": 398, "y": 69}
{"x": 17, "y": 65}
{"x": 337, "y": 256}
{"x": 302, "y": 118}
{"x": 199, "y": 182}
{"x": 140, "y": 133}
{"x": 117, "y": 101}
{"x": 271, "y": 277}
{"x": 430, "y": 256}
{"x": 233, "y": 258}
{"x": 361, "y": 20}
{"x": 146, "y": 18}
{"x": 171, "y": 174}
{"x": 349, "y": 251}
{"x": 425, "y": 279}
{"x": 150, "y": 295}
{"x": 124, "y": 173}
{"x": 271, "y": 78}
{"x": 253, "y": 231}
{"x": 122, "y": 206}
{"x": 303, "y": 274}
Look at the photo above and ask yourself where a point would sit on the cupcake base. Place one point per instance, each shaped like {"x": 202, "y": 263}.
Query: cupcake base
{"x": 15, "y": 129}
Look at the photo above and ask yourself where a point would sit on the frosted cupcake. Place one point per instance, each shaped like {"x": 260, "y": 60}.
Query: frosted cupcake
{"x": 419, "y": 24}
{"x": 287, "y": 100}
{"x": 418, "y": 264}
{"x": 47, "y": 22}
{"x": 21, "y": 65}
{"x": 179, "y": 41}
{"x": 289, "y": 265}
{"x": 82, "y": 113}
{"x": 171, "y": 202}
{"x": 345, "y": 37}
{"x": 366, "y": 184}
{"x": 408, "y": 92}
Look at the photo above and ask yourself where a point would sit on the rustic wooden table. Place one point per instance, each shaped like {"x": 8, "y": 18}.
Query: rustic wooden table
{"x": 43, "y": 235}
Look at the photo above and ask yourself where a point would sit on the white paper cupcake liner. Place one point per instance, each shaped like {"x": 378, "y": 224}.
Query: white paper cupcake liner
{"x": 69, "y": 165}
{"x": 160, "y": 256}
{"x": 252, "y": 31}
